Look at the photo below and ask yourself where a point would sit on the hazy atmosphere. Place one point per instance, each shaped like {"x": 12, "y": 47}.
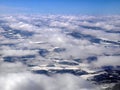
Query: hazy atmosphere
{"x": 59, "y": 44}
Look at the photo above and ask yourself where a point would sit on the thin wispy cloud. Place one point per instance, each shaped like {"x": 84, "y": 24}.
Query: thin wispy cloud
{"x": 12, "y": 10}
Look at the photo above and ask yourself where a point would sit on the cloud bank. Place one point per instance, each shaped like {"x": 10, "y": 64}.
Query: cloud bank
{"x": 28, "y": 41}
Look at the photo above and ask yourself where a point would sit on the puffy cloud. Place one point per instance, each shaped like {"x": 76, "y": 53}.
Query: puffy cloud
{"x": 6, "y": 68}
{"x": 15, "y": 76}
{"x": 102, "y": 34}
{"x": 17, "y": 52}
{"x": 22, "y": 26}
{"x": 60, "y": 24}
{"x": 50, "y": 37}
{"x": 50, "y": 32}
{"x": 28, "y": 81}
{"x": 107, "y": 61}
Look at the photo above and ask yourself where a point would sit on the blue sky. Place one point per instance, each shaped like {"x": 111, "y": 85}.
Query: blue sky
{"x": 60, "y": 6}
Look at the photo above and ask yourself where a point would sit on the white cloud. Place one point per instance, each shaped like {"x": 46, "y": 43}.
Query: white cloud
{"x": 107, "y": 61}
{"x": 15, "y": 76}
{"x": 60, "y": 24}
{"x": 6, "y": 68}
{"x": 22, "y": 26}
{"x": 28, "y": 81}
{"x": 17, "y": 52}
{"x": 49, "y": 35}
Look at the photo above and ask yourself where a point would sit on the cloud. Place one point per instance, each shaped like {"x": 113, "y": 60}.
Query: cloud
{"x": 107, "y": 61}
{"x": 28, "y": 81}
{"x": 22, "y": 26}
{"x": 7, "y": 68}
{"x": 48, "y": 37}
{"x": 50, "y": 32}
{"x": 17, "y": 52}
{"x": 15, "y": 76}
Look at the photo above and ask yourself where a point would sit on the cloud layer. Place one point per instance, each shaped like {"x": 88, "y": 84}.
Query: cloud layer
{"x": 57, "y": 41}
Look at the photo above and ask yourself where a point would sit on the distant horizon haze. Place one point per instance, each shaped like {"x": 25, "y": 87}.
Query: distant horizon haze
{"x": 83, "y": 7}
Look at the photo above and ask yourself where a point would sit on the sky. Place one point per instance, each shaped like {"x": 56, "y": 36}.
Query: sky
{"x": 60, "y": 6}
